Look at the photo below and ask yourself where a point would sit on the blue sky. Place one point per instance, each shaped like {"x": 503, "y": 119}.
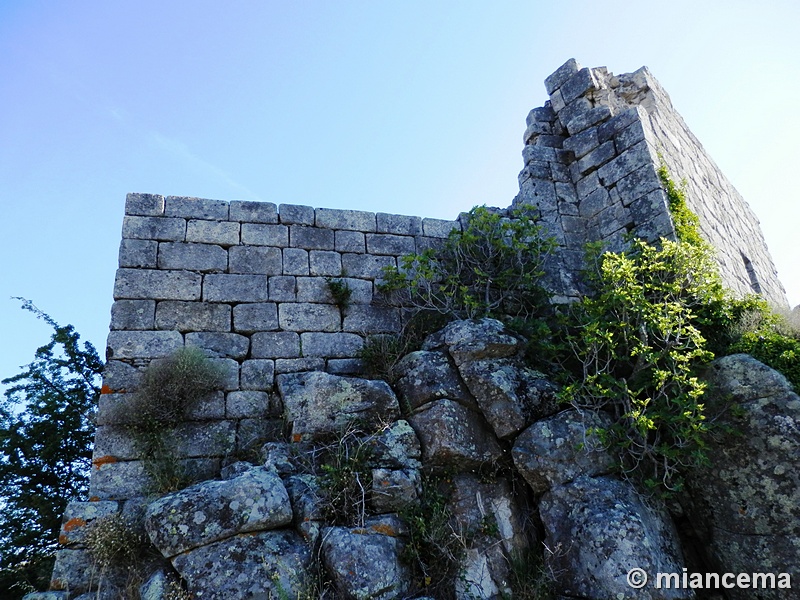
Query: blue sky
{"x": 407, "y": 107}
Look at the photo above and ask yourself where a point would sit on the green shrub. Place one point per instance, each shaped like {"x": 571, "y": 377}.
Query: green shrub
{"x": 340, "y": 291}
{"x": 493, "y": 267}
{"x": 114, "y": 541}
{"x": 774, "y": 349}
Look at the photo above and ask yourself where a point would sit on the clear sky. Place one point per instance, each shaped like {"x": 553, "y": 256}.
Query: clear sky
{"x": 407, "y": 107}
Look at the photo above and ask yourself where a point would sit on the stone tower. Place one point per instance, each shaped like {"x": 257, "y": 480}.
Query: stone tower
{"x": 591, "y": 155}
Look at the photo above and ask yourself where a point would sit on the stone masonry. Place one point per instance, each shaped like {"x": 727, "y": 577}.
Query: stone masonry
{"x": 591, "y": 155}
{"x": 249, "y": 281}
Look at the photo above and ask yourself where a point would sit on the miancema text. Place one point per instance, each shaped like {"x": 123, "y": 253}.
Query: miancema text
{"x": 715, "y": 581}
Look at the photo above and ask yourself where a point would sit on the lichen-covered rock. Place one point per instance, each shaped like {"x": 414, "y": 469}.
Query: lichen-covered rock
{"x": 474, "y": 340}
{"x": 747, "y": 502}
{"x": 72, "y": 572}
{"x": 365, "y": 564}
{"x": 78, "y": 515}
{"x": 600, "y": 528}
{"x": 486, "y": 512}
{"x": 555, "y": 451}
{"x": 46, "y": 596}
{"x": 270, "y": 564}
{"x": 308, "y": 505}
{"x": 509, "y": 395}
{"x": 454, "y": 436}
{"x": 426, "y": 376}
{"x": 394, "y": 489}
{"x": 318, "y": 404}
{"x": 214, "y": 510}
{"x": 395, "y": 447}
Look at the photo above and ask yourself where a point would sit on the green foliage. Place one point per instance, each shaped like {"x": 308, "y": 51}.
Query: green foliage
{"x": 170, "y": 388}
{"x": 775, "y": 349}
{"x": 687, "y": 225}
{"x": 340, "y": 291}
{"x": 46, "y": 435}
{"x": 638, "y": 343}
{"x": 492, "y": 267}
{"x": 528, "y": 578}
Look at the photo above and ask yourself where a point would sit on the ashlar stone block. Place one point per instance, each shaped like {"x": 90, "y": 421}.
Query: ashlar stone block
{"x": 295, "y": 261}
{"x": 138, "y": 253}
{"x": 350, "y": 241}
{"x": 226, "y": 345}
{"x": 149, "y": 205}
{"x": 196, "y": 208}
{"x": 259, "y": 316}
{"x": 278, "y": 344}
{"x": 133, "y": 314}
{"x": 253, "y": 212}
{"x": 393, "y": 245}
{"x": 282, "y": 288}
{"x": 261, "y": 260}
{"x": 257, "y": 234}
{"x": 158, "y": 285}
{"x": 303, "y": 316}
{"x": 142, "y": 344}
{"x": 257, "y": 374}
{"x": 192, "y": 257}
{"x": 311, "y": 238}
{"x": 193, "y": 316}
{"x": 235, "y": 288}
{"x": 366, "y": 266}
{"x": 247, "y": 404}
{"x": 325, "y": 263}
{"x": 296, "y": 214}
{"x": 224, "y": 233}
{"x": 331, "y": 345}
{"x": 353, "y": 220}
{"x": 398, "y": 224}
{"x": 154, "y": 228}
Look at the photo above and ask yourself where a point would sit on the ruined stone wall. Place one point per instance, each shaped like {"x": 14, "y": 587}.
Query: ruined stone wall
{"x": 591, "y": 158}
{"x": 248, "y": 283}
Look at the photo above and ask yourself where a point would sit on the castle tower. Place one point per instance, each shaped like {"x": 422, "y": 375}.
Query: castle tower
{"x": 591, "y": 159}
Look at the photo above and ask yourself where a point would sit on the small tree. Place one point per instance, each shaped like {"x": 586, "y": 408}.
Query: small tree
{"x": 46, "y": 434}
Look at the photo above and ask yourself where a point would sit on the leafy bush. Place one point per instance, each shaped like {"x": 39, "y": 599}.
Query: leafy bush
{"x": 492, "y": 267}
{"x": 774, "y": 349}
{"x": 340, "y": 291}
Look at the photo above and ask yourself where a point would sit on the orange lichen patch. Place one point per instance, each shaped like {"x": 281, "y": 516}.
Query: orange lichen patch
{"x": 57, "y": 585}
{"x": 73, "y": 524}
{"x": 106, "y": 390}
{"x": 104, "y": 460}
{"x": 297, "y": 437}
{"x": 94, "y": 499}
{"x": 384, "y": 529}
{"x": 63, "y": 540}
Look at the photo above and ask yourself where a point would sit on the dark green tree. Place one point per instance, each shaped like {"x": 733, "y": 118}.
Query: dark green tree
{"x": 46, "y": 433}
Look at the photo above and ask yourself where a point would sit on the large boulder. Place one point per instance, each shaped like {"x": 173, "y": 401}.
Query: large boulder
{"x": 746, "y": 503}
{"x": 364, "y": 563}
{"x": 598, "y": 529}
{"x": 318, "y": 405}
{"x": 555, "y": 451}
{"x": 270, "y": 564}
{"x": 474, "y": 339}
{"x": 198, "y": 515}
{"x": 424, "y": 376}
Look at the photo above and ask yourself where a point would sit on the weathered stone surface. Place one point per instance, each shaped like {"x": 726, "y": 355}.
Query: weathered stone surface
{"x": 119, "y": 480}
{"x": 225, "y": 345}
{"x": 296, "y": 214}
{"x": 258, "y": 260}
{"x": 144, "y": 204}
{"x": 72, "y": 572}
{"x": 248, "y": 403}
{"x": 454, "y": 436}
{"x": 372, "y": 319}
{"x": 318, "y": 404}
{"x": 272, "y": 564}
{"x": 78, "y": 515}
{"x": 439, "y": 228}
{"x": 350, "y": 241}
{"x": 142, "y": 344}
{"x": 278, "y": 344}
{"x": 398, "y": 224}
{"x": 363, "y": 564}
{"x": 600, "y": 528}
{"x": 366, "y": 266}
{"x": 195, "y": 208}
{"x": 331, "y": 345}
{"x": 384, "y": 243}
{"x": 556, "y": 450}
{"x": 310, "y": 238}
{"x": 253, "y": 212}
{"x": 283, "y": 288}
{"x": 509, "y": 395}
{"x": 295, "y": 365}
{"x": 309, "y": 317}
{"x": 295, "y": 261}
{"x": 324, "y": 263}
{"x": 474, "y": 340}
{"x": 424, "y": 376}
{"x": 234, "y": 288}
{"x": 354, "y": 220}
{"x": 396, "y": 447}
{"x": 215, "y": 510}
{"x": 254, "y": 234}
{"x": 394, "y": 490}
{"x": 157, "y": 285}
{"x": 747, "y": 503}
{"x": 192, "y": 257}
{"x": 154, "y": 228}
{"x": 224, "y": 233}
{"x": 133, "y": 314}
{"x": 192, "y": 316}
{"x": 560, "y": 75}
{"x": 257, "y": 374}
{"x": 138, "y": 253}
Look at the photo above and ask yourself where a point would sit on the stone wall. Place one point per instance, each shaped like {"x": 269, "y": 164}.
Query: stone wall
{"x": 248, "y": 283}
{"x": 591, "y": 156}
